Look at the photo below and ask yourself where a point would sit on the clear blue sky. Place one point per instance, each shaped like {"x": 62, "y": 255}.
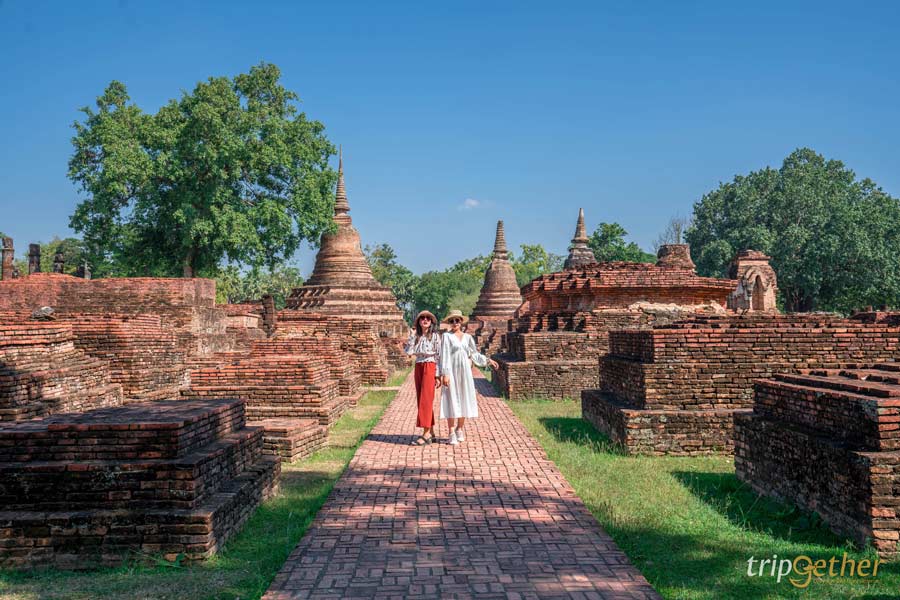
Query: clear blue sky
{"x": 632, "y": 110}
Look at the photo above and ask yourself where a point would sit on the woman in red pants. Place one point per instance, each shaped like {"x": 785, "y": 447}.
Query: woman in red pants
{"x": 425, "y": 343}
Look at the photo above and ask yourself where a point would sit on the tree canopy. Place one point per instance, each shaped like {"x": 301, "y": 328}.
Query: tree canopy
{"x": 230, "y": 171}
{"x": 608, "y": 244}
{"x": 383, "y": 261}
{"x": 534, "y": 261}
{"x": 234, "y": 285}
{"x": 832, "y": 237}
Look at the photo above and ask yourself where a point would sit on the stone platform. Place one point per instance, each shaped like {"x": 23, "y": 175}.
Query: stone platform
{"x": 94, "y": 488}
{"x": 292, "y": 439}
{"x": 828, "y": 440}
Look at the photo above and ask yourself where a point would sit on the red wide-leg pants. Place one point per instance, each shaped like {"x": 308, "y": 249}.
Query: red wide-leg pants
{"x": 424, "y": 377}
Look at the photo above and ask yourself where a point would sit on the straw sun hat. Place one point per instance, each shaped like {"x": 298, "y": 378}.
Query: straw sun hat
{"x": 426, "y": 313}
{"x": 455, "y": 314}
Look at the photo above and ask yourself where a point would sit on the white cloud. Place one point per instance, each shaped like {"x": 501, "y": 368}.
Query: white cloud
{"x": 469, "y": 204}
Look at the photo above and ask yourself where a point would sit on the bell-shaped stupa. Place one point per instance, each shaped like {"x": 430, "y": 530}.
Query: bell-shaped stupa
{"x": 499, "y": 298}
{"x": 342, "y": 282}
{"x": 580, "y": 253}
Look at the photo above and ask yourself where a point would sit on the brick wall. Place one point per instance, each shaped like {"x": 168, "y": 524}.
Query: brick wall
{"x": 326, "y": 348}
{"x": 545, "y": 379}
{"x": 185, "y": 305}
{"x": 359, "y": 339}
{"x": 42, "y": 372}
{"x": 711, "y": 362}
{"x": 143, "y": 355}
{"x": 826, "y": 440}
{"x": 274, "y": 386}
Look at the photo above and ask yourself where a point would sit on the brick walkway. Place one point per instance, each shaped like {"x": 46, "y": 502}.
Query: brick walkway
{"x": 490, "y": 518}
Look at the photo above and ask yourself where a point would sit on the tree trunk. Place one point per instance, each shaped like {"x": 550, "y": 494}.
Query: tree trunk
{"x": 188, "y": 265}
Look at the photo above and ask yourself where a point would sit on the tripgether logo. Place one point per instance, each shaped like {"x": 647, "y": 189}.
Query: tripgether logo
{"x": 804, "y": 568}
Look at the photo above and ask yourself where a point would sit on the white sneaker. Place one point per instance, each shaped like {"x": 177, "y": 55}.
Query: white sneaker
{"x": 453, "y": 440}
{"x": 460, "y": 435}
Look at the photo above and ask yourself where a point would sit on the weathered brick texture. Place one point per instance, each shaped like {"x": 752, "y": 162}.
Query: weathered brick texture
{"x": 695, "y": 369}
{"x": 657, "y": 432}
{"x": 43, "y": 372}
{"x": 187, "y": 306}
{"x": 711, "y": 362}
{"x": 142, "y": 353}
{"x": 827, "y": 440}
{"x": 274, "y": 386}
{"x": 176, "y": 478}
{"x": 358, "y": 338}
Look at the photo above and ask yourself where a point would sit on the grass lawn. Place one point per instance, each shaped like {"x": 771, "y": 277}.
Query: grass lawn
{"x": 687, "y": 523}
{"x": 249, "y": 561}
{"x": 399, "y": 377}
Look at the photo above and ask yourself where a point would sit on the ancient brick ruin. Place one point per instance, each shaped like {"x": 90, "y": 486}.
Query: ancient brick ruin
{"x": 675, "y": 389}
{"x": 342, "y": 282}
{"x": 42, "y": 372}
{"x": 828, "y": 440}
{"x": 498, "y": 300}
{"x": 133, "y": 369}
{"x": 169, "y": 478}
{"x": 563, "y": 325}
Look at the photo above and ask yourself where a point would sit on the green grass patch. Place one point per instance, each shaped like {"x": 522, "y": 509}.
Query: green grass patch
{"x": 399, "y": 377}
{"x": 687, "y": 523}
{"x": 245, "y": 568}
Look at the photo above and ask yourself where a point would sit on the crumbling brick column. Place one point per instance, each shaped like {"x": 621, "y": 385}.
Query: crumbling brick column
{"x": 34, "y": 258}
{"x": 59, "y": 262}
{"x": 83, "y": 271}
{"x": 269, "y": 317}
{"x": 6, "y": 272}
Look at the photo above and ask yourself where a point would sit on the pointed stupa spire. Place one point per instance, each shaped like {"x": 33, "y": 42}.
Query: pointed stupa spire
{"x": 580, "y": 231}
{"x": 580, "y": 253}
{"x": 341, "y": 206}
{"x": 500, "y": 250}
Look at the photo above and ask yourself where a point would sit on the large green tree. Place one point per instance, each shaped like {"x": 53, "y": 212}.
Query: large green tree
{"x": 533, "y": 261}
{"x": 236, "y": 285}
{"x": 230, "y": 171}
{"x": 832, "y": 237}
{"x": 383, "y": 261}
{"x": 456, "y": 287}
{"x": 608, "y": 243}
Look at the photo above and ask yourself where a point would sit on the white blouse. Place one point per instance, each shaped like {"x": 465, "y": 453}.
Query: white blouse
{"x": 425, "y": 348}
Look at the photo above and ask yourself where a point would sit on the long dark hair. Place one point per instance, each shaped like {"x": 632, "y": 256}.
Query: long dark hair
{"x": 431, "y": 327}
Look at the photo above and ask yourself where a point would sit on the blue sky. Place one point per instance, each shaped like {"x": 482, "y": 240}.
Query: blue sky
{"x": 525, "y": 110}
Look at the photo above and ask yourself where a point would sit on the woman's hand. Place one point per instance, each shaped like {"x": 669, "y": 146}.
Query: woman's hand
{"x": 493, "y": 363}
{"x": 437, "y": 382}
{"x": 445, "y": 380}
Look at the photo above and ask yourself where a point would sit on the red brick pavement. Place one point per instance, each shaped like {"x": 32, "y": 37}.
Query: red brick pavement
{"x": 490, "y": 518}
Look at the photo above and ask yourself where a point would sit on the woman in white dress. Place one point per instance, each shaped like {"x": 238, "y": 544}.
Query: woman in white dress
{"x": 458, "y": 352}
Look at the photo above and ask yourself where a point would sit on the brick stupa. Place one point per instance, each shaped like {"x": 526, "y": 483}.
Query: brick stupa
{"x": 342, "y": 282}
{"x": 499, "y": 298}
{"x": 580, "y": 253}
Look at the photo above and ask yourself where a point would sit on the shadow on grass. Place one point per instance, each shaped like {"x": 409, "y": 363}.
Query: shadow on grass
{"x": 737, "y": 502}
{"x": 572, "y": 430}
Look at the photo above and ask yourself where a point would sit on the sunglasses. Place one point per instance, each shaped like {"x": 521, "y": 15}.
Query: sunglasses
{"x": 452, "y": 321}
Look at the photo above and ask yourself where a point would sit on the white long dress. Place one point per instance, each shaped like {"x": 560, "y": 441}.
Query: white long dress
{"x": 457, "y": 356}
